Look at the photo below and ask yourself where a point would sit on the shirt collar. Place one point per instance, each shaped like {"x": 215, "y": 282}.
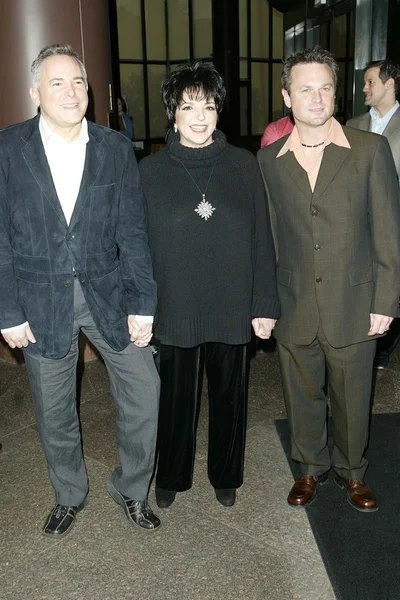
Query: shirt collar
{"x": 386, "y": 117}
{"x": 335, "y": 136}
{"x": 48, "y": 135}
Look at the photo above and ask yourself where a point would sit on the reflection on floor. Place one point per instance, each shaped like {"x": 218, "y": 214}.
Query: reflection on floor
{"x": 260, "y": 549}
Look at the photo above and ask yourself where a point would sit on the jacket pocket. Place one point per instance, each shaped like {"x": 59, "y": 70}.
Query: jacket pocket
{"x": 283, "y": 276}
{"x": 36, "y": 298}
{"x": 32, "y": 277}
{"x": 362, "y": 275}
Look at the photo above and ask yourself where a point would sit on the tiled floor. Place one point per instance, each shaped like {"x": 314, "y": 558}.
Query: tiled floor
{"x": 260, "y": 549}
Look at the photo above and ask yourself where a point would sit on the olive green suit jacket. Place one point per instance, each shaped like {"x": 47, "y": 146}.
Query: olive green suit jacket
{"x": 338, "y": 248}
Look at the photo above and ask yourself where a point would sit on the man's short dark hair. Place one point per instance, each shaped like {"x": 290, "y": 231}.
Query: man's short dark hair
{"x": 387, "y": 70}
{"x": 316, "y": 54}
{"x": 199, "y": 79}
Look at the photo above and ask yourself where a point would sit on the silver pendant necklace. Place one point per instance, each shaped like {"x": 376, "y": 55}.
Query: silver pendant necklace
{"x": 204, "y": 208}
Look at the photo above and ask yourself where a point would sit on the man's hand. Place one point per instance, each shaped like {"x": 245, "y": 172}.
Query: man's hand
{"x": 19, "y": 338}
{"x": 140, "y": 333}
{"x": 263, "y": 327}
{"x": 379, "y": 324}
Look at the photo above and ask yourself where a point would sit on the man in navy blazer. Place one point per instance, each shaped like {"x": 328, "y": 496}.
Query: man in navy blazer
{"x": 74, "y": 255}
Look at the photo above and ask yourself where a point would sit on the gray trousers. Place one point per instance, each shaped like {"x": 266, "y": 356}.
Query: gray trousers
{"x": 349, "y": 376}
{"x": 134, "y": 384}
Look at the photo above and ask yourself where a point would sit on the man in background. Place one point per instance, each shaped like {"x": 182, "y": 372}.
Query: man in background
{"x": 381, "y": 88}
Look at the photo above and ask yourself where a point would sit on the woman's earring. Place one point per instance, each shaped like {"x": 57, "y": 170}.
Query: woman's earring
{"x": 175, "y": 128}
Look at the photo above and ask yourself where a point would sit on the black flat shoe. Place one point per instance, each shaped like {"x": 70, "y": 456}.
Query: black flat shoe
{"x": 164, "y": 498}
{"x": 381, "y": 363}
{"x": 61, "y": 519}
{"x": 226, "y": 497}
{"x": 138, "y": 512}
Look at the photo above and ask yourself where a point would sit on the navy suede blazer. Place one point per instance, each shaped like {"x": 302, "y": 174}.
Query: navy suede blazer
{"x": 105, "y": 242}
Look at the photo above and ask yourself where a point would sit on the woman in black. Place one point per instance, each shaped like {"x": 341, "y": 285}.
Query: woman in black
{"x": 214, "y": 264}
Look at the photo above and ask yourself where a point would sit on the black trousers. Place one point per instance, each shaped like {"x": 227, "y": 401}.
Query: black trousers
{"x": 181, "y": 372}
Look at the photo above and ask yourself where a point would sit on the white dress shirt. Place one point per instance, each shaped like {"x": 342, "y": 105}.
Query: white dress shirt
{"x": 66, "y": 161}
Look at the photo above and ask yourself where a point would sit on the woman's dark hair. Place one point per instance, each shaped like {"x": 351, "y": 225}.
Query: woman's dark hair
{"x": 123, "y": 104}
{"x": 199, "y": 80}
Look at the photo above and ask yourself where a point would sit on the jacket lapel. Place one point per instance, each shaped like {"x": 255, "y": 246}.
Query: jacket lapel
{"x": 93, "y": 163}
{"x": 297, "y": 173}
{"x": 393, "y": 125}
{"x": 36, "y": 161}
{"x": 333, "y": 159}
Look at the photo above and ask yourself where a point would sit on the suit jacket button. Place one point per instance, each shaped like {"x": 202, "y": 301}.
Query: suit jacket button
{"x": 67, "y": 283}
{"x": 319, "y": 279}
{"x": 317, "y": 247}
{"x": 314, "y": 212}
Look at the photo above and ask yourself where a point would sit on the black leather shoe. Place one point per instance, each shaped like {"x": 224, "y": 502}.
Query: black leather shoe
{"x": 227, "y": 496}
{"x": 164, "y": 498}
{"x": 138, "y": 512}
{"x": 61, "y": 519}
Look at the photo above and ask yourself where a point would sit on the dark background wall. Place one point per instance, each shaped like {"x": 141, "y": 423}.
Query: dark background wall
{"x": 26, "y": 26}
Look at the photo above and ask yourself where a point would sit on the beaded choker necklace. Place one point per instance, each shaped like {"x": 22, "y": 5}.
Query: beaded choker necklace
{"x": 313, "y": 146}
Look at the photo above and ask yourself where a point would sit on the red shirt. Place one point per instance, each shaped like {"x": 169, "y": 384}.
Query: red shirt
{"x": 274, "y": 131}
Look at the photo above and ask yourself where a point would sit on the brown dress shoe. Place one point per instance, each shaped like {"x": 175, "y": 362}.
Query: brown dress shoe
{"x": 304, "y": 490}
{"x": 359, "y": 495}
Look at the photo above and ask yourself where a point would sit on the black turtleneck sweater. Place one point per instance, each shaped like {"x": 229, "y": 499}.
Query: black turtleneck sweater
{"x": 213, "y": 275}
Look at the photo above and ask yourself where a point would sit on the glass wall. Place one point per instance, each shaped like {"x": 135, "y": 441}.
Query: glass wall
{"x": 152, "y": 37}
{"x": 155, "y": 35}
{"x": 261, "y": 53}
{"x": 342, "y": 36}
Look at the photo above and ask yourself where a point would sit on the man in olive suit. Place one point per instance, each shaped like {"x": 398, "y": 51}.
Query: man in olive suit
{"x": 335, "y": 212}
